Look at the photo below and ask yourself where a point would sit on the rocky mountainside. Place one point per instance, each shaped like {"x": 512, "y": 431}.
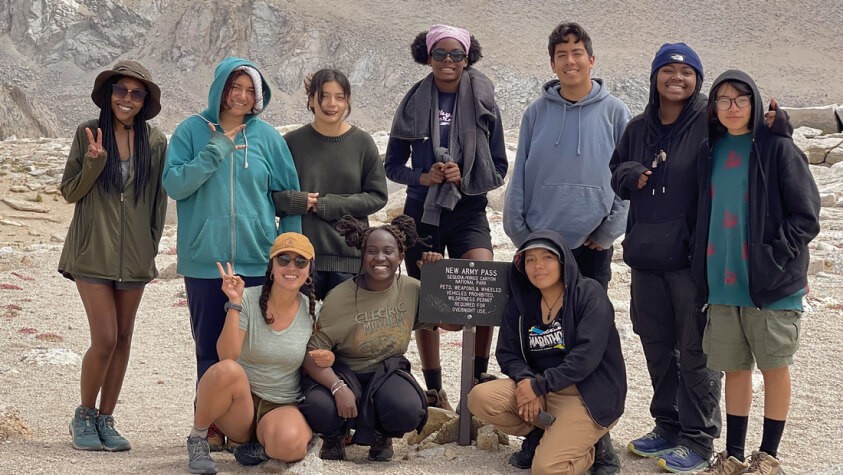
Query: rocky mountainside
{"x": 50, "y": 50}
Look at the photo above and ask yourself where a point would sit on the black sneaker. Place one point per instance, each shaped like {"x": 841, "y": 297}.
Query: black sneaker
{"x": 605, "y": 458}
{"x": 524, "y": 458}
{"x": 250, "y": 453}
{"x": 333, "y": 447}
{"x": 381, "y": 450}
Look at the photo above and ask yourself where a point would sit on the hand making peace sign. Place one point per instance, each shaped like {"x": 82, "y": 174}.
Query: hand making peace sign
{"x": 95, "y": 148}
{"x": 232, "y": 284}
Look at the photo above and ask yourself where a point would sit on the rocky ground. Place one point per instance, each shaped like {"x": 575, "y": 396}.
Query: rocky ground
{"x": 43, "y": 333}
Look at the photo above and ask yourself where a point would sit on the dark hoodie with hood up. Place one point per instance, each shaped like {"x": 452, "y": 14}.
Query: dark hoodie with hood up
{"x": 592, "y": 358}
{"x": 784, "y": 207}
{"x": 662, "y": 215}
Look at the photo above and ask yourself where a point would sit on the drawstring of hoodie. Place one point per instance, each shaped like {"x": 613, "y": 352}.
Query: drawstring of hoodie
{"x": 579, "y": 128}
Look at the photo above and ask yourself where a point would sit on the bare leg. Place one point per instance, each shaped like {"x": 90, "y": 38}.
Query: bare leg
{"x": 284, "y": 433}
{"x": 738, "y": 392}
{"x": 100, "y": 307}
{"x": 776, "y": 393}
{"x": 223, "y": 397}
{"x": 127, "y": 302}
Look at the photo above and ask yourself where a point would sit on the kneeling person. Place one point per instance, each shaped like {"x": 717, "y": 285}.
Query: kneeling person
{"x": 560, "y": 348}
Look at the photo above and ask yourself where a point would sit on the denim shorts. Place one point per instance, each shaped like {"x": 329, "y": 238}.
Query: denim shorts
{"x": 736, "y": 337}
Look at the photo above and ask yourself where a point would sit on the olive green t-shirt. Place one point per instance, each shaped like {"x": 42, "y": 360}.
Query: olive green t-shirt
{"x": 271, "y": 359}
{"x": 363, "y": 328}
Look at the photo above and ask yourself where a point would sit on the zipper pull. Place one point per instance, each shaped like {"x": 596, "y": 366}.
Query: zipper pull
{"x": 121, "y": 196}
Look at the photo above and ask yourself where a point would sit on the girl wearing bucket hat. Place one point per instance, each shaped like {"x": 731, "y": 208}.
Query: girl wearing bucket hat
{"x": 113, "y": 176}
{"x": 223, "y": 165}
{"x": 454, "y": 162}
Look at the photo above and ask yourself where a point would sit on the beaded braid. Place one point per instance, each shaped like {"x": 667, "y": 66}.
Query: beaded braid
{"x": 267, "y": 289}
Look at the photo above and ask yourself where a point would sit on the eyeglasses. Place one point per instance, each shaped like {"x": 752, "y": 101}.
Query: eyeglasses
{"x": 284, "y": 260}
{"x": 137, "y": 95}
{"x": 440, "y": 54}
{"x": 725, "y": 103}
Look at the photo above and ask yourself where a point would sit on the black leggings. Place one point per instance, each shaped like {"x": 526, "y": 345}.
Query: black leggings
{"x": 398, "y": 408}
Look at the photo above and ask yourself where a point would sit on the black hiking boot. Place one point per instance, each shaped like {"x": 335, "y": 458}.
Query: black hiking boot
{"x": 381, "y": 450}
{"x": 333, "y": 447}
{"x": 524, "y": 457}
{"x": 605, "y": 458}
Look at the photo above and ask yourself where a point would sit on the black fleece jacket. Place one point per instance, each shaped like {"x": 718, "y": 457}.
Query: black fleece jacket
{"x": 662, "y": 215}
{"x": 593, "y": 360}
{"x": 784, "y": 207}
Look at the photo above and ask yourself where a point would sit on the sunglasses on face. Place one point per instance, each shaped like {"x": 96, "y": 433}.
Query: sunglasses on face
{"x": 440, "y": 54}
{"x": 137, "y": 95}
{"x": 284, "y": 260}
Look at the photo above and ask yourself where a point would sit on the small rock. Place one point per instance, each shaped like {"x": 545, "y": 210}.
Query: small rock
{"x": 433, "y": 452}
{"x": 487, "y": 439}
{"x": 828, "y": 200}
{"x": 21, "y": 205}
{"x": 169, "y": 272}
{"x": 18, "y": 189}
{"x": 436, "y": 418}
{"x": 33, "y": 232}
{"x": 450, "y": 453}
{"x": 56, "y": 238}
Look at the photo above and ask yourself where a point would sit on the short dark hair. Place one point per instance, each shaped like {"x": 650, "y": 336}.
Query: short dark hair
{"x": 229, "y": 83}
{"x": 575, "y": 34}
{"x": 314, "y": 82}
{"x": 718, "y": 130}
{"x": 420, "y": 54}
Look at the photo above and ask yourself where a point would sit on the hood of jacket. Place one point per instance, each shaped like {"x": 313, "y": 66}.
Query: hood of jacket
{"x": 523, "y": 291}
{"x": 221, "y": 73}
{"x": 715, "y": 129}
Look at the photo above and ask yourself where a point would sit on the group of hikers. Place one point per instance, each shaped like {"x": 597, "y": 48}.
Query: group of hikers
{"x": 300, "y": 313}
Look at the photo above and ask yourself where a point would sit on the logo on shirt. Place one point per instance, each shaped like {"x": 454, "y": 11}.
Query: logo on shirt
{"x": 444, "y": 117}
{"x": 553, "y": 338}
{"x": 378, "y": 319}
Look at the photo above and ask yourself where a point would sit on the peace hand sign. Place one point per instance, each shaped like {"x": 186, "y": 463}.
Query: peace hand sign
{"x": 95, "y": 148}
{"x": 231, "y": 134}
{"x": 232, "y": 284}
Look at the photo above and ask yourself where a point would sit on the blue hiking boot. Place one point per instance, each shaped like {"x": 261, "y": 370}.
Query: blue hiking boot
{"x": 250, "y": 453}
{"x": 682, "y": 459}
{"x": 83, "y": 429}
{"x": 650, "y": 445}
{"x": 111, "y": 440}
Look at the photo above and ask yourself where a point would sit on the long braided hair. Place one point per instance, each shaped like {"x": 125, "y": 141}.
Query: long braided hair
{"x": 111, "y": 179}
{"x": 402, "y": 228}
{"x": 309, "y": 289}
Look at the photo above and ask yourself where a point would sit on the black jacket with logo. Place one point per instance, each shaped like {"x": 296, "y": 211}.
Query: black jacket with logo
{"x": 592, "y": 361}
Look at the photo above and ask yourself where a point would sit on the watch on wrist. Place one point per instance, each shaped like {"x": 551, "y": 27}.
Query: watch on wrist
{"x": 232, "y": 306}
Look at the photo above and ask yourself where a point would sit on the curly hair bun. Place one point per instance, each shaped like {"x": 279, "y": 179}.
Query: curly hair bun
{"x": 352, "y": 230}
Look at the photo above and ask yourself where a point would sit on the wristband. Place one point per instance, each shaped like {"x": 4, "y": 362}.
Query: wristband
{"x": 232, "y": 306}
{"x": 336, "y": 390}
{"x": 338, "y": 382}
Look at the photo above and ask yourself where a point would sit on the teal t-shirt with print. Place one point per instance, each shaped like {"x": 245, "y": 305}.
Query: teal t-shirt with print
{"x": 727, "y": 259}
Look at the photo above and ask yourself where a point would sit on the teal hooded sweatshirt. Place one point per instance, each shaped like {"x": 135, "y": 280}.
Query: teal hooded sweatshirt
{"x": 224, "y": 195}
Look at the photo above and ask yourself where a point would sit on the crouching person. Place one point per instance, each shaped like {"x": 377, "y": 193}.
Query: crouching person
{"x": 366, "y": 323}
{"x": 560, "y": 348}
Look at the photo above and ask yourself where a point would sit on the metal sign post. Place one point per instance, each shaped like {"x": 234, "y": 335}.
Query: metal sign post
{"x": 468, "y": 293}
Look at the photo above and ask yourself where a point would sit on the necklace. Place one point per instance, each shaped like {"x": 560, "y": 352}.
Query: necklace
{"x": 550, "y": 307}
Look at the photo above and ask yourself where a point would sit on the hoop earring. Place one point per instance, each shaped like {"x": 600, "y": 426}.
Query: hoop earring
{"x": 271, "y": 277}
{"x": 308, "y": 281}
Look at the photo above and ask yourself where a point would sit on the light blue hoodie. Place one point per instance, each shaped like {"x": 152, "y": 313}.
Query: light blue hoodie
{"x": 562, "y": 179}
{"x": 224, "y": 195}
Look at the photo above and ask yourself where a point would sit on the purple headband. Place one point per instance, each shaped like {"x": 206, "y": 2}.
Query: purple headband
{"x": 438, "y": 32}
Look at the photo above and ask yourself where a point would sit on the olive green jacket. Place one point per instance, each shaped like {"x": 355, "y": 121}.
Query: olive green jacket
{"x": 112, "y": 237}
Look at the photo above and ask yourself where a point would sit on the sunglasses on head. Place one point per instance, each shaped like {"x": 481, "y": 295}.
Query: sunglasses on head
{"x": 440, "y": 54}
{"x": 137, "y": 95}
{"x": 284, "y": 260}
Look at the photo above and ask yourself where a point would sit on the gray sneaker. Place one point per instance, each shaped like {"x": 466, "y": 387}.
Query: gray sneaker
{"x": 111, "y": 440}
{"x": 83, "y": 431}
{"x": 199, "y": 456}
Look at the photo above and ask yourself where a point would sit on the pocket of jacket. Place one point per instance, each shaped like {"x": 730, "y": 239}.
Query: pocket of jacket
{"x": 783, "y": 328}
{"x": 764, "y": 271}
{"x": 658, "y": 246}
{"x": 579, "y": 209}
{"x": 212, "y": 242}
{"x": 252, "y": 240}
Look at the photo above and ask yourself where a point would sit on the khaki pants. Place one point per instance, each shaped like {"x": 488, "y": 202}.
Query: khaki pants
{"x": 567, "y": 446}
